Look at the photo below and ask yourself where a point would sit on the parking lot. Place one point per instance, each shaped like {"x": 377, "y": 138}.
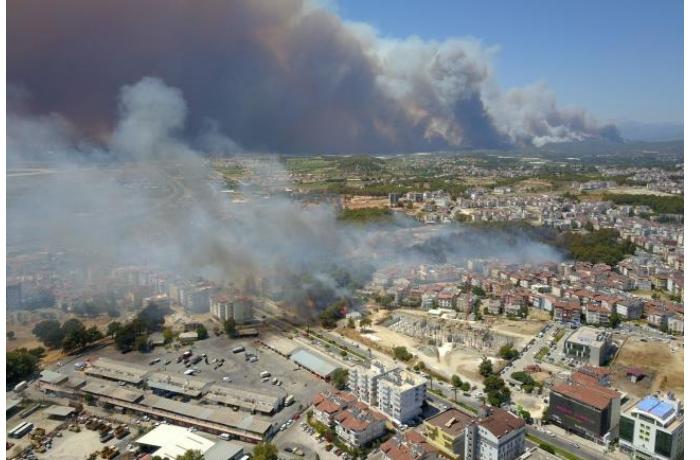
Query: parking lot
{"x": 236, "y": 370}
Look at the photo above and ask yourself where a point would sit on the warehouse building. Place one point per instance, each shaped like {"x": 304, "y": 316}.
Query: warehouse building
{"x": 652, "y": 428}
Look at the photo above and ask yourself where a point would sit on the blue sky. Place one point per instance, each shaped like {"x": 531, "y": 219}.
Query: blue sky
{"x": 620, "y": 59}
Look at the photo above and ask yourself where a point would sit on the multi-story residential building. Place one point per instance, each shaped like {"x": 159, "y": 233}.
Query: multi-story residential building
{"x": 652, "y": 428}
{"x": 565, "y": 312}
{"x": 630, "y": 308}
{"x": 397, "y": 393}
{"x": 224, "y": 307}
{"x": 354, "y": 421}
{"x": 675, "y": 324}
{"x": 589, "y": 345}
{"x": 589, "y": 410}
{"x": 598, "y": 315}
{"x": 410, "y": 445}
{"x": 446, "y": 431}
{"x": 358, "y": 425}
{"x": 494, "y": 435}
{"x": 401, "y": 395}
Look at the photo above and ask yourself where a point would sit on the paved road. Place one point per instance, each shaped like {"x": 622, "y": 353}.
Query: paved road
{"x": 582, "y": 452}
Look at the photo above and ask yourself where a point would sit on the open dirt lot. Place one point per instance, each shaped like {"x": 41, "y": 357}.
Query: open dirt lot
{"x": 524, "y": 329}
{"x": 665, "y": 368}
{"x": 357, "y": 202}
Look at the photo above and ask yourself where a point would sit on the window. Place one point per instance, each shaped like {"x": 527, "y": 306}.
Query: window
{"x": 626, "y": 429}
{"x": 664, "y": 443}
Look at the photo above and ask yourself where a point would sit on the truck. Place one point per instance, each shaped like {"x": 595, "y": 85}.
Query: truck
{"x": 21, "y": 386}
{"x": 289, "y": 400}
{"x": 264, "y": 374}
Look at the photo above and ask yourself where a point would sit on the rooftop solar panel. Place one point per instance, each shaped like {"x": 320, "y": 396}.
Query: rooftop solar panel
{"x": 647, "y": 404}
{"x": 662, "y": 410}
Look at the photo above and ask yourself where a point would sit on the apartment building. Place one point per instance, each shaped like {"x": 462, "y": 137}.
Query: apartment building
{"x": 494, "y": 435}
{"x": 446, "y": 430}
{"x": 354, "y": 421}
{"x": 652, "y": 428}
{"x": 401, "y": 395}
{"x": 397, "y": 393}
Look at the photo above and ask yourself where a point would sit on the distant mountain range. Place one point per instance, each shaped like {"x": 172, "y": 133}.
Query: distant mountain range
{"x": 650, "y": 132}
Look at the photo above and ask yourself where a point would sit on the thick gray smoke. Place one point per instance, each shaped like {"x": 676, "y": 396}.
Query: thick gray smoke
{"x": 276, "y": 75}
{"x": 151, "y": 198}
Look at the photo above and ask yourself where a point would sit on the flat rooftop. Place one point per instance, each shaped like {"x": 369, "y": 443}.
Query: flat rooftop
{"x": 588, "y": 336}
{"x": 112, "y": 391}
{"x": 176, "y": 383}
{"x": 313, "y": 362}
{"x": 246, "y": 397}
{"x": 116, "y": 370}
{"x": 213, "y": 414}
{"x": 173, "y": 441}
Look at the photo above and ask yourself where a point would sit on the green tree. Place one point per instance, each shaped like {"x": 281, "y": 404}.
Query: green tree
{"x": 507, "y": 352}
{"x": 49, "y": 333}
{"x": 365, "y": 322}
{"x": 230, "y": 327}
{"x": 614, "y": 320}
{"x": 125, "y": 337}
{"x": 191, "y": 454}
{"x": 402, "y": 354}
{"x": 485, "y": 367}
{"x": 478, "y": 291}
{"x": 113, "y": 328}
{"x": 351, "y": 323}
{"x": 264, "y": 451}
{"x": 202, "y": 332}
{"x": 19, "y": 365}
{"x": 168, "y": 335}
{"x": 339, "y": 378}
{"x": 456, "y": 381}
{"x": 141, "y": 344}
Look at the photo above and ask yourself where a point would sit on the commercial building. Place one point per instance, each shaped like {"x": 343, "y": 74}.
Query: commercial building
{"x": 313, "y": 363}
{"x": 170, "y": 442}
{"x": 446, "y": 430}
{"x": 397, "y": 393}
{"x": 591, "y": 411}
{"x": 115, "y": 370}
{"x": 590, "y": 346}
{"x": 252, "y": 400}
{"x": 652, "y": 428}
{"x": 169, "y": 384}
{"x": 494, "y": 435}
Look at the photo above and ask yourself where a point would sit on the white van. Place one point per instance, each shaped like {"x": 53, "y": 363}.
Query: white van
{"x": 225, "y": 436}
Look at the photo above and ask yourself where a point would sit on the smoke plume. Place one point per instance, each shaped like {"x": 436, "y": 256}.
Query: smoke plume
{"x": 275, "y": 75}
{"x": 151, "y": 199}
